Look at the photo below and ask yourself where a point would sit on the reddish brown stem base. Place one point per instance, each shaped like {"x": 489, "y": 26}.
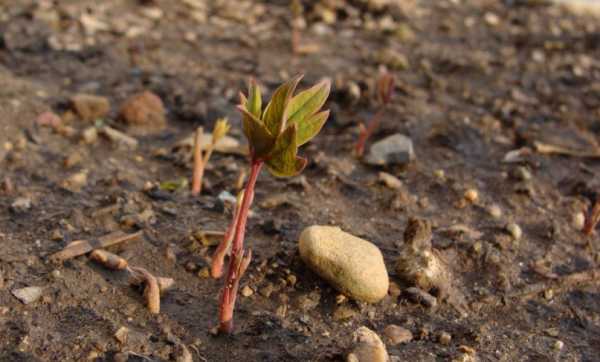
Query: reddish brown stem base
{"x": 198, "y": 164}
{"x": 592, "y": 218}
{"x": 239, "y": 260}
{"x": 367, "y": 132}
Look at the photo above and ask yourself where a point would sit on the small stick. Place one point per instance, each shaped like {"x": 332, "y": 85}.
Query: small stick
{"x": 80, "y": 247}
{"x": 151, "y": 290}
{"x": 109, "y": 260}
{"x": 198, "y": 163}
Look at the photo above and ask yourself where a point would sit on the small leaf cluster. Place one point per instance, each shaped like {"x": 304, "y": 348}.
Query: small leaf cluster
{"x": 286, "y": 123}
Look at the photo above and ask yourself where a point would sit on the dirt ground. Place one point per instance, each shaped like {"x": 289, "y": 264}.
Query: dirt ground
{"x": 476, "y": 79}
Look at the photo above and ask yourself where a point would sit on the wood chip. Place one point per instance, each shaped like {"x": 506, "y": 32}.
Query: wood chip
{"x": 109, "y": 260}
{"x": 80, "y": 247}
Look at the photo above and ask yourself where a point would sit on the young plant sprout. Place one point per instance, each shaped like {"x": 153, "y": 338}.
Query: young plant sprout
{"x": 385, "y": 91}
{"x": 219, "y": 131}
{"x": 274, "y": 135}
{"x": 592, "y": 218}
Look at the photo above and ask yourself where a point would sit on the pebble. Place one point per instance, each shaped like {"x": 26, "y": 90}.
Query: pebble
{"x": 267, "y": 290}
{"x": 444, "y": 338}
{"x": 351, "y": 265}
{"x": 307, "y": 302}
{"x": 514, "y": 230}
{"x": 559, "y": 345}
{"x": 344, "y": 312}
{"x": 390, "y": 180}
{"x": 21, "y": 204}
{"x": 392, "y": 58}
{"x": 396, "y": 149}
{"x": 396, "y": 335}
{"x": 578, "y": 220}
{"x": 368, "y": 347}
{"x": 144, "y": 109}
{"x": 471, "y": 195}
{"x": 247, "y": 291}
{"x": 495, "y": 211}
{"x": 49, "y": 119}
{"x": 419, "y": 296}
{"x": 522, "y": 174}
{"x": 491, "y": 19}
{"x": 90, "y": 107}
{"x": 27, "y": 295}
{"x": 89, "y": 135}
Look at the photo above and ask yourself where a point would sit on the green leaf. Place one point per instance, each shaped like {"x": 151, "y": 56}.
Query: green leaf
{"x": 254, "y": 103}
{"x": 308, "y": 102}
{"x": 274, "y": 116}
{"x": 260, "y": 139}
{"x": 310, "y": 127}
{"x": 282, "y": 161}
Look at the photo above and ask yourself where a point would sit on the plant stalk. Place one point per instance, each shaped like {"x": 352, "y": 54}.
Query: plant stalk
{"x": 237, "y": 262}
{"x": 198, "y": 163}
{"x": 367, "y": 132}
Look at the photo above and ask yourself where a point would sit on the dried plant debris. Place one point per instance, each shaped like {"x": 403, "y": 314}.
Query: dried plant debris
{"x": 423, "y": 266}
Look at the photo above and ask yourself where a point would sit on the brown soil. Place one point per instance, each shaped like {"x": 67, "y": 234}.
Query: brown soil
{"x": 480, "y": 78}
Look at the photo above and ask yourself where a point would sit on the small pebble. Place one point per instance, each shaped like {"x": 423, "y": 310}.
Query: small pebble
{"x": 90, "y": 107}
{"x": 247, "y": 291}
{"x": 396, "y": 335}
{"x": 558, "y": 345}
{"x": 495, "y": 211}
{"x": 444, "y": 338}
{"x": 27, "y": 295}
{"x": 419, "y": 296}
{"x": 514, "y": 230}
{"x": 21, "y": 204}
{"x": 395, "y": 149}
{"x": 144, "y": 109}
{"x": 578, "y": 220}
{"x": 390, "y": 180}
{"x": 471, "y": 195}
{"x": 267, "y": 290}
{"x": 344, "y": 312}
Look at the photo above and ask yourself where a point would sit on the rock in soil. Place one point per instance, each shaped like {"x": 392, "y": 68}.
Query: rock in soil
{"x": 396, "y": 149}
{"x": 90, "y": 107}
{"x": 368, "y": 347}
{"x": 144, "y": 112}
{"x": 21, "y": 204}
{"x": 351, "y": 265}
{"x": 27, "y": 295}
{"x": 396, "y": 335}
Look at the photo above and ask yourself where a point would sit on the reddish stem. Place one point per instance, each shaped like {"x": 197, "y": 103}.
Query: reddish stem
{"x": 198, "y": 164}
{"x": 592, "y": 218}
{"x": 237, "y": 261}
{"x": 367, "y": 132}
{"x": 218, "y": 258}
